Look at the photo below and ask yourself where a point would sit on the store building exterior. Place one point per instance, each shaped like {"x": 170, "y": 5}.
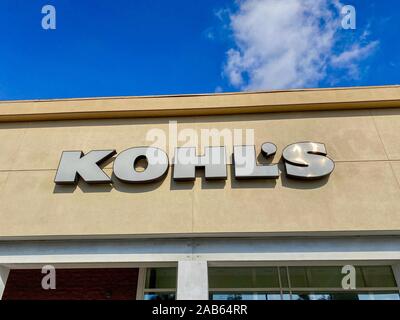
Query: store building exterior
{"x": 79, "y": 194}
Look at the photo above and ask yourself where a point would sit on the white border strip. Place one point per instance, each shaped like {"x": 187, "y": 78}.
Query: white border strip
{"x": 216, "y": 251}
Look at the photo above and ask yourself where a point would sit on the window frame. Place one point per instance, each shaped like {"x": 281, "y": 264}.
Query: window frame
{"x": 141, "y": 285}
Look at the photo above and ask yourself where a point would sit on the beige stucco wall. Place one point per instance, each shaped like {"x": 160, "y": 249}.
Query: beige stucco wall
{"x": 361, "y": 196}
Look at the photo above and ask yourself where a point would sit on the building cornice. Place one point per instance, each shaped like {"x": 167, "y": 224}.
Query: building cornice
{"x": 201, "y": 104}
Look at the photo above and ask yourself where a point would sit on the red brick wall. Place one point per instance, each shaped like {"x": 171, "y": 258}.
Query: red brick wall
{"x": 73, "y": 284}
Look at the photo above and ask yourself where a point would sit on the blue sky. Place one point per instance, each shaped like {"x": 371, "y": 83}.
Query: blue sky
{"x": 121, "y": 47}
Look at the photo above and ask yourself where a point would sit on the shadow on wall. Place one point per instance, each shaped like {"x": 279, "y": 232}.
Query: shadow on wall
{"x": 300, "y": 184}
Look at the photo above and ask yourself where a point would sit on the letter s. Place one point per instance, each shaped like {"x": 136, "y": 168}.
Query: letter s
{"x": 307, "y": 161}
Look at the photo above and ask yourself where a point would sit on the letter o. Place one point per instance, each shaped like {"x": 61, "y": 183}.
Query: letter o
{"x": 157, "y": 167}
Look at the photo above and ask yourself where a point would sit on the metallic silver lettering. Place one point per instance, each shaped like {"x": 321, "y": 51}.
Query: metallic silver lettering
{"x": 245, "y": 163}
{"x": 157, "y": 165}
{"x": 307, "y": 160}
{"x": 75, "y": 163}
{"x": 186, "y": 162}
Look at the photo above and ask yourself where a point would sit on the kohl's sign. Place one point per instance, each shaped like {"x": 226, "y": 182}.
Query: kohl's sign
{"x": 302, "y": 160}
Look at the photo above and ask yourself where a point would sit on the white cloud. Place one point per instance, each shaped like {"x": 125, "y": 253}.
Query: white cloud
{"x": 355, "y": 53}
{"x": 349, "y": 59}
{"x": 288, "y": 44}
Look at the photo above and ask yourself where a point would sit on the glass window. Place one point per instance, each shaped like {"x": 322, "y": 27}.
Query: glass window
{"x": 162, "y": 296}
{"x": 254, "y": 277}
{"x": 349, "y": 295}
{"x": 160, "y": 284}
{"x": 331, "y": 277}
{"x": 315, "y": 277}
{"x": 379, "y": 296}
{"x": 161, "y": 278}
{"x": 245, "y": 296}
{"x": 301, "y": 283}
{"x": 284, "y": 277}
{"x": 376, "y": 276}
